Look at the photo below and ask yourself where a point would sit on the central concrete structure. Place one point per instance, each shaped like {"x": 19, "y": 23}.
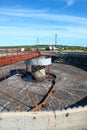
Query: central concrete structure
{"x": 41, "y": 61}
{"x": 38, "y": 66}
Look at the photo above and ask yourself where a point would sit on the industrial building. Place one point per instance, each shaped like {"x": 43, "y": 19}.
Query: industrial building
{"x": 51, "y": 47}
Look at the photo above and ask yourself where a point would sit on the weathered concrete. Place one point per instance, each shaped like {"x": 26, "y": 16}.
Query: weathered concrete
{"x": 41, "y": 61}
{"x": 70, "y": 119}
{"x": 71, "y": 88}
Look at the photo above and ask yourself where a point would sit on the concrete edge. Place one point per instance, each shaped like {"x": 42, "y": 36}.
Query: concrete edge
{"x": 47, "y": 113}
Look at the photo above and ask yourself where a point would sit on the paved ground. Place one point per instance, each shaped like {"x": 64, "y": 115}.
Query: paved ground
{"x": 71, "y": 88}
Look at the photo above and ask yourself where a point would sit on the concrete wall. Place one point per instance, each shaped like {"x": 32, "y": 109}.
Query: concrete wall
{"x": 70, "y": 119}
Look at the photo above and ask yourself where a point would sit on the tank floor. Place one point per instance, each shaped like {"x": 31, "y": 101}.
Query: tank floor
{"x": 17, "y": 88}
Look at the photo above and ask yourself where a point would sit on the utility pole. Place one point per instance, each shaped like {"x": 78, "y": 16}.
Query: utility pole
{"x": 55, "y": 40}
{"x": 37, "y": 42}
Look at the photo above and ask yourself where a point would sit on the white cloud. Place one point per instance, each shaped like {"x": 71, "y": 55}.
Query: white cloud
{"x": 44, "y": 31}
{"x": 20, "y": 11}
{"x": 70, "y": 27}
{"x": 12, "y": 35}
{"x": 42, "y": 15}
{"x": 70, "y": 2}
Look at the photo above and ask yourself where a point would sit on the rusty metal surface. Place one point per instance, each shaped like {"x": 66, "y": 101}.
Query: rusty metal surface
{"x": 10, "y": 59}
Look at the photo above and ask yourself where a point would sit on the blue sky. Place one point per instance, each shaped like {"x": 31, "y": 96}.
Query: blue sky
{"x": 22, "y": 22}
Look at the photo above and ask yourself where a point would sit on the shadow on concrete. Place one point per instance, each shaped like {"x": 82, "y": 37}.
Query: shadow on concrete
{"x": 11, "y": 73}
{"x": 78, "y": 60}
{"x": 81, "y": 66}
{"x": 82, "y": 102}
{"x": 24, "y": 74}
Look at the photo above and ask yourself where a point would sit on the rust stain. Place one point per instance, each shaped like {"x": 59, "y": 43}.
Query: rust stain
{"x": 7, "y": 60}
{"x": 47, "y": 97}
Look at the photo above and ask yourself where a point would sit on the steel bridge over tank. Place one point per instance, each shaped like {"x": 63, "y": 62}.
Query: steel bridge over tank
{"x": 10, "y": 58}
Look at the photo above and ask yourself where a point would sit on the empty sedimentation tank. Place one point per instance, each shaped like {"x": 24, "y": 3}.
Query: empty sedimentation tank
{"x": 65, "y": 109}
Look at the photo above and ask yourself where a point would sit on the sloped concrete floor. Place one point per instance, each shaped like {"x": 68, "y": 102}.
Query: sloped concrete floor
{"x": 71, "y": 87}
